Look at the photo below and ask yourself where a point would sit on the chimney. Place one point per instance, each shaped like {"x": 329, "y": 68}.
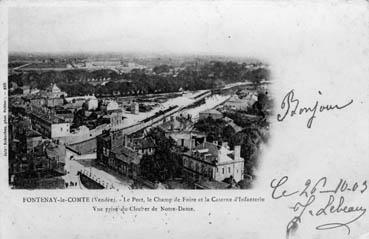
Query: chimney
{"x": 193, "y": 142}
{"x": 237, "y": 152}
{"x": 125, "y": 140}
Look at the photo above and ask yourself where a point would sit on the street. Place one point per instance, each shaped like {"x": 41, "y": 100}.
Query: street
{"x": 84, "y": 163}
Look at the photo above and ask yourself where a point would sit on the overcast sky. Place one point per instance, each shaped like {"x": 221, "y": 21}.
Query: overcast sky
{"x": 161, "y": 27}
{"x": 251, "y": 28}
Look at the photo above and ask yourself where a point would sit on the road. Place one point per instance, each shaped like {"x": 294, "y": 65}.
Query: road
{"x": 85, "y": 164}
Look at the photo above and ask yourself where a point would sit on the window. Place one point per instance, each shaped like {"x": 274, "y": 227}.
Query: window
{"x": 203, "y": 169}
{"x": 222, "y": 170}
{"x": 229, "y": 169}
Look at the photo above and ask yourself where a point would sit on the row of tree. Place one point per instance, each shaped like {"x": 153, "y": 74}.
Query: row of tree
{"x": 192, "y": 77}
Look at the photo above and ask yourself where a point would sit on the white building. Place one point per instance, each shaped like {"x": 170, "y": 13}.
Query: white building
{"x": 53, "y": 91}
{"x": 211, "y": 162}
{"x": 134, "y": 108}
{"x": 60, "y": 130}
{"x": 116, "y": 120}
{"x": 229, "y": 164}
{"x": 50, "y": 126}
{"x": 109, "y": 106}
{"x": 92, "y": 103}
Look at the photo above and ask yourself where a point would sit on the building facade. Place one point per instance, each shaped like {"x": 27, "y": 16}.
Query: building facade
{"x": 134, "y": 108}
{"x": 49, "y": 126}
{"x": 109, "y": 106}
{"x": 113, "y": 153}
{"x": 53, "y": 102}
{"x": 210, "y": 162}
{"x": 92, "y": 103}
{"x": 212, "y": 113}
{"x": 53, "y": 91}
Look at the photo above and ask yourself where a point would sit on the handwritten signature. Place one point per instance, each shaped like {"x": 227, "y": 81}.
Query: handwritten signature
{"x": 291, "y": 106}
{"x": 307, "y": 195}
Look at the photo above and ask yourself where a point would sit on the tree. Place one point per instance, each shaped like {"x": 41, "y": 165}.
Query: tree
{"x": 214, "y": 129}
{"x": 194, "y": 76}
{"x": 79, "y": 117}
{"x": 249, "y": 140}
{"x": 163, "y": 164}
{"x": 228, "y": 132}
{"x": 161, "y": 69}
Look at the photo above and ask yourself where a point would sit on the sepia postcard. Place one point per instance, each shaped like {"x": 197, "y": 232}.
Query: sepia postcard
{"x": 184, "y": 119}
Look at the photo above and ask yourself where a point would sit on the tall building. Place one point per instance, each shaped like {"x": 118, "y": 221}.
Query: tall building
{"x": 113, "y": 153}
{"x": 122, "y": 153}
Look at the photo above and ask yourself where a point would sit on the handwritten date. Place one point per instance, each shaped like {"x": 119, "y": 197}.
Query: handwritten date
{"x": 307, "y": 198}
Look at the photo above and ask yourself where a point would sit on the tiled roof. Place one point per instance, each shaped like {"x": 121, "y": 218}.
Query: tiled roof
{"x": 32, "y": 133}
{"x": 212, "y": 148}
{"x": 211, "y": 111}
{"x": 178, "y": 123}
{"x": 125, "y": 154}
{"x": 235, "y": 127}
{"x": 143, "y": 143}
